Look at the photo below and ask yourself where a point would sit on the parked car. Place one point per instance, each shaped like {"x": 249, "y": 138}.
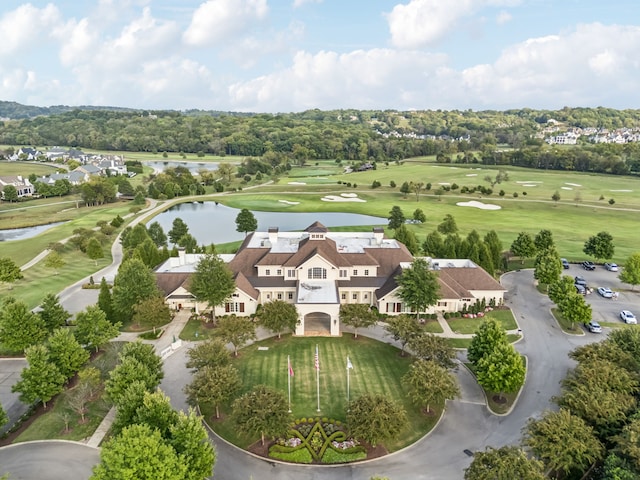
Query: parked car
{"x": 581, "y": 289}
{"x": 612, "y": 267}
{"x": 580, "y": 281}
{"x": 593, "y": 327}
{"x": 627, "y": 317}
{"x": 605, "y": 292}
{"x": 587, "y": 265}
{"x": 565, "y": 263}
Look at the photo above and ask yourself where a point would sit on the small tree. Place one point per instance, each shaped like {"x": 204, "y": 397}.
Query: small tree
{"x": 574, "y": 308}
{"x": 19, "y": 326}
{"x": 93, "y": 329}
{"x": 419, "y": 216}
{"x": 278, "y": 316}
{"x": 405, "y": 189}
{"x": 556, "y": 196}
{"x": 448, "y": 225}
{"x": 105, "y": 301}
{"x": 357, "y": 315}
{"x": 210, "y": 353}
{"x": 375, "y": 418}
{"x": 94, "y": 250}
{"x": 133, "y": 283}
{"x": 630, "y": 274}
{"x": 407, "y": 238}
{"x": 236, "y": 330}
{"x": 504, "y": 463}
{"x": 428, "y": 383}
{"x": 246, "y": 221}
{"x": 262, "y": 411}
{"x": 523, "y": 246}
{"x": 599, "y": 246}
{"x": 9, "y": 271}
{"x": 41, "y": 380}
{"x": 4, "y": 418}
{"x": 560, "y": 289}
{"x": 403, "y": 329}
{"x": 78, "y": 398}
{"x": 54, "y": 261}
{"x": 548, "y": 267}
{"x": 52, "y": 313}
{"x": 501, "y": 370}
{"x": 433, "y": 348}
{"x": 66, "y": 353}
{"x": 179, "y": 229}
{"x": 416, "y": 188}
{"x": 157, "y": 234}
{"x": 151, "y": 312}
{"x": 396, "y": 217}
{"x": 214, "y": 384}
{"x": 488, "y": 337}
{"x": 10, "y": 194}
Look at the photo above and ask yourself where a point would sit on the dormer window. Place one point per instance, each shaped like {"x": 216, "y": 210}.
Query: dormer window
{"x": 317, "y": 273}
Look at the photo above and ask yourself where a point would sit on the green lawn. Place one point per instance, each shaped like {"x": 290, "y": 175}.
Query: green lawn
{"x": 378, "y": 369}
{"x": 25, "y": 168}
{"x": 565, "y": 325}
{"x": 470, "y": 325}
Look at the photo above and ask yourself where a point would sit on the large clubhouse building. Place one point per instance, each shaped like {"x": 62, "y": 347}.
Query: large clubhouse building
{"x": 318, "y": 270}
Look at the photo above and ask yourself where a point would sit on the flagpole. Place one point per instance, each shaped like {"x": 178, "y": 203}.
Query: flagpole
{"x": 318, "y": 376}
{"x": 348, "y": 379}
{"x": 289, "y": 380}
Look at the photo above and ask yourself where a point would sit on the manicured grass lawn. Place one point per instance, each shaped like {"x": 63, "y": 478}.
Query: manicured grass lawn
{"x": 25, "y": 168}
{"x": 463, "y": 343}
{"x": 378, "y": 369}
{"x": 565, "y": 325}
{"x": 196, "y": 330}
{"x": 470, "y": 325}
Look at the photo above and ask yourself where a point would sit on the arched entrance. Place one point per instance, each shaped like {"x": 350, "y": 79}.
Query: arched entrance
{"x": 317, "y": 323}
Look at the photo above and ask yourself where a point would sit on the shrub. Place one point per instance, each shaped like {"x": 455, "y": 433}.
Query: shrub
{"x": 301, "y": 455}
{"x": 515, "y": 194}
{"x": 392, "y": 184}
{"x": 334, "y": 456}
{"x": 524, "y": 194}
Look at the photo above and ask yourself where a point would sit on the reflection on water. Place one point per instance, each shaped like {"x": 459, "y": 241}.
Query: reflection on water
{"x": 193, "y": 167}
{"x": 210, "y": 222}
{"x": 24, "y": 233}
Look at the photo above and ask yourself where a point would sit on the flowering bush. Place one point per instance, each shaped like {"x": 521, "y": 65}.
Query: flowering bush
{"x": 344, "y": 445}
{"x": 293, "y": 442}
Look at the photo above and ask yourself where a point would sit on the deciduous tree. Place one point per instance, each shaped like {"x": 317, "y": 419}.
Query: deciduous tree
{"x": 543, "y": 240}
{"x": 575, "y": 309}
{"x": 246, "y": 221}
{"x": 94, "y": 250}
{"x": 236, "y": 330}
{"x": 179, "y": 229}
{"x": 403, "y": 329}
{"x": 262, "y": 411}
{"x": 448, "y": 225}
{"x": 407, "y": 238}
{"x": 547, "y": 267}
{"x": 501, "y": 370}
{"x": 433, "y": 348}
{"x": 523, "y": 246}
{"x": 54, "y": 261}
{"x": 429, "y": 383}
{"x": 146, "y": 355}
{"x": 19, "y": 326}
{"x": 559, "y": 289}
{"x": 133, "y": 283}
{"x": 10, "y": 193}
{"x": 396, "y": 217}
{"x": 210, "y": 353}
{"x": 357, "y": 315}
{"x": 157, "y": 234}
{"x": 278, "y": 315}
{"x": 93, "y": 329}
{"x": 212, "y": 282}
{"x": 191, "y": 441}
{"x": 214, "y": 384}
{"x": 630, "y": 274}
{"x": 66, "y": 353}
{"x": 52, "y": 313}
{"x": 433, "y": 246}
{"x": 41, "y": 380}
{"x": 505, "y": 463}
{"x": 489, "y": 335}
{"x": 375, "y": 418}
{"x": 9, "y": 271}
{"x": 419, "y": 216}
{"x": 418, "y": 286}
{"x": 151, "y": 312}
{"x": 600, "y": 246}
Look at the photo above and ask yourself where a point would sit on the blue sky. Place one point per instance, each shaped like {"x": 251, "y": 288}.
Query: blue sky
{"x": 293, "y": 55}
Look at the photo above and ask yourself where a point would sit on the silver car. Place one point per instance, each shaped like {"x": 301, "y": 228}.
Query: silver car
{"x": 627, "y": 317}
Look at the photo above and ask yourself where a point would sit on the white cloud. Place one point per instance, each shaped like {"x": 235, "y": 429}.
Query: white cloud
{"x": 216, "y": 20}
{"x": 423, "y": 22}
{"x": 78, "y": 41}
{"x": 25, "y": 26}
{"x": 503, "y": 17}
{"x": 299, "y": 3}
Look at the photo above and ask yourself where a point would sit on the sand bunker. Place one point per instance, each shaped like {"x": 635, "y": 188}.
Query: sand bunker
{"x": 529, "y": 181}
{"x": 288, "y": 202}
{"x": 480, "y": 205}
{"x": 444, "y": 183}
{"x": 337, "y": 198}
{"x": 573, "y": 184}
{"x": 349, "y": 195}
{"x": 297, "y": 183}
{"x": 529, "y": 185}
{"x": 566, "y": 188}
{"x": 621, "y": 190}
{"x": 471, "y": 175}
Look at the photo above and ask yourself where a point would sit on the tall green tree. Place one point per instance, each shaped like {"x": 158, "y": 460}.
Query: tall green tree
{"x": 505, "y": 463}
{"x": 501, "y": 370}
{"x": 246, "y": 221}
{"x": 574, "y": 308}
{"x": 191, "y": 441}
{"x": 278, "y": 315}
{"x": 403, "y": 329}
{"x": 129, "y": 371}
{"x": 547, "y": 266}
{"x": 93, "y": 329}
{"x": 396, "y": 217}
{"x": 630, "y": 274}
{"x": 357, "y": 315}
{"x": 52, "y": 313}
{"x": 405, "y": 189}
{"x": 448, "y": 225}
{"x": 488, "y": 337}
{"x": 262, "y": 411}
{"x": 140, "y": 453}
{"x": 212, "y": 282}
{"x": 157, "y": 234}
{"x": 148, "y": 252}
{"x": 543, "y": 240}
{"x": 600, "y": 246}
{"x": 416, "y": 188}
{"x": 564, "y": 442}
{"x": 418, "y": 286}
{"x": 66, "y": 353}
{"x": 133, "y": 283}
{"x": 407, "y": 238}
{"x": 493, "y": 243}
{"x": 105, "y": 301}
{"x": 560, "y": 289}
{"x": 523, "y": 246}
{"x": 19, "y": 326}
{"x": 178, "y": 230}
{"x": 433, "y": 246}
{"x": 41, "y": 380}
{"x": 9, "y": 271}
{"x": 428, "y": 383}
{"x": 375, "y": 418}
{"x": 214, "y": 384}
{"x": 146, "y": 355}
{"x": 236, "y": 330}
{"x": 627, "y": 442}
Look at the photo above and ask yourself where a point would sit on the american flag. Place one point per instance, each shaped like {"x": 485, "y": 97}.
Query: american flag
{"x": 317, "y": 360}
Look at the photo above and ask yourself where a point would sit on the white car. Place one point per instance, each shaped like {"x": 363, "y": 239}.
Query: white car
{"x": 627, "y": 317}
{"x": 612, "y": 267}
{"x": 605, "y": 292}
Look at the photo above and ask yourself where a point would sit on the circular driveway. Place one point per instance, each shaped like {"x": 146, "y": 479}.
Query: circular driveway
{"x": 50, "y": 460}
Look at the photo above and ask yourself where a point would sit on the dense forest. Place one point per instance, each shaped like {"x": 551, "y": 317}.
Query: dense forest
{"x": 487, "y": 137}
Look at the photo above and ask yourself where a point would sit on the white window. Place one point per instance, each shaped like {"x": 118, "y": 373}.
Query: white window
{"x": 355, "y": 273}
{"x": 366, "y": 273}
{"x": 343, "y": 274}
{"x": 291, "y": 273}
{"x": 279, "y": 272}
{"x": 279, "y": 296}
{"x": 366, "y": 295}
{"x": 267, "y": 272}
{"x": 317, "y": 273}
{"x": 234, "y": 307}
{"x": 354, "y": 296}
{"x": 290, "y": 295}
{"x": 343, "y": 296}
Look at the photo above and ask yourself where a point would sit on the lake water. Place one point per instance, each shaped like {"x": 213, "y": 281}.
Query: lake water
{"x": 193, "y": 167}
{"x": 211, "y": 223}
{"x": 24, "y": 233}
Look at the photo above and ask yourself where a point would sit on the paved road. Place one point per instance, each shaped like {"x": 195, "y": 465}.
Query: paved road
{"x": 50, "y": 460}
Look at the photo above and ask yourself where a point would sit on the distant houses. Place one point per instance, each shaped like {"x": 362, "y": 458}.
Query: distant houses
{"x": 22, "y": 185}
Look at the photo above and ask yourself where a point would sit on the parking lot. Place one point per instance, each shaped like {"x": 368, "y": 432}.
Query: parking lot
{"x": 606, "y": 310}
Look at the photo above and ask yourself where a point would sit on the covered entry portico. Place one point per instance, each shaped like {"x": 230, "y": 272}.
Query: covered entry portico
{"x": 318, "y": 319}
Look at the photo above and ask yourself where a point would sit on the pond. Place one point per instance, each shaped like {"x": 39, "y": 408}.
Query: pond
{"x": 215, "y": 223}
{"x": 26, "y": 232}
{"x": 193, "y": 167}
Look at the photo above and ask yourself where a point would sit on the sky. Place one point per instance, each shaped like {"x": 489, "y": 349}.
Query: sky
{"x": 294, "y": 55}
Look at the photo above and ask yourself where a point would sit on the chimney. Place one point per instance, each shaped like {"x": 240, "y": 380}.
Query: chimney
{"x": 273, "y": 235}
{"x": 378, "y": 235}
{"x": 182, "y": 259}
